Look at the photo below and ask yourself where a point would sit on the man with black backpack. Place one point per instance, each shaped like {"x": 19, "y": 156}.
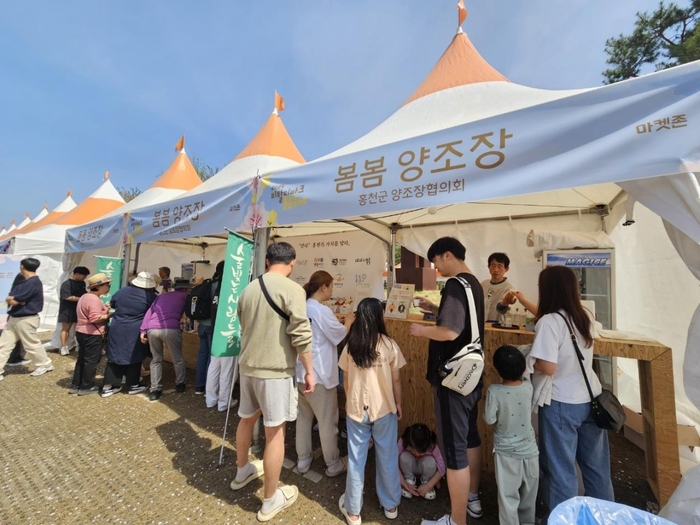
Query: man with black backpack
{"x": 198, "y": 307}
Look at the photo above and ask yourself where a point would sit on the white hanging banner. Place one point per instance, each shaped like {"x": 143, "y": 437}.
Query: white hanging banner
{"x": 355, "y": 260}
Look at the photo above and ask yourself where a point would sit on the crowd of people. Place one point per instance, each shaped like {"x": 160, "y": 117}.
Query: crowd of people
{"x": 295, "y": 355}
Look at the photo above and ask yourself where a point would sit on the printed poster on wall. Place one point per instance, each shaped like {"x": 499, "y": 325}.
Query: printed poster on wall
{"x": 112, "y": 268}
{"x": 355, "y": 259}
{"x": 9, "y": 268}
{"x": 226, "y": 340}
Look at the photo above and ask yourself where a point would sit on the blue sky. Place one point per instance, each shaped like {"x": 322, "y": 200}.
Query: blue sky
{"x": 88, "y": 87}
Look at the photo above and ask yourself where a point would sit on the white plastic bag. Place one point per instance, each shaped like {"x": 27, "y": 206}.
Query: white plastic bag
{"x": 591, "y": 511}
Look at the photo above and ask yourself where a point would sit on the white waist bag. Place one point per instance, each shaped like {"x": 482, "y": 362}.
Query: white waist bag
{"x": 462, "y": 372}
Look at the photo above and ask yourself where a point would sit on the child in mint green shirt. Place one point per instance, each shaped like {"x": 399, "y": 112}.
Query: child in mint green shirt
{"x": 516, "y": 457}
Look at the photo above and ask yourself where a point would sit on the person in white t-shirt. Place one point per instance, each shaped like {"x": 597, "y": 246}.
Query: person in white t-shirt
{"x": 568, "y": 434}
{"x": 328, "y": 332}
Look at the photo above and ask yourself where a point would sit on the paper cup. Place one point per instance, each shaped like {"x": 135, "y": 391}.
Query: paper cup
{"x": 416, "y": 302}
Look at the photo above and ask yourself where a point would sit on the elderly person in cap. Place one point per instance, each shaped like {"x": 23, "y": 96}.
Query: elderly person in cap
{"x": 125, "y": 351}
{"x": 92, "y": 317}
{"x": 162, "y": 325}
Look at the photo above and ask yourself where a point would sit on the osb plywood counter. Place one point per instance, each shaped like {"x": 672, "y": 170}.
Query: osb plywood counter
{"x": 656, "y": 389}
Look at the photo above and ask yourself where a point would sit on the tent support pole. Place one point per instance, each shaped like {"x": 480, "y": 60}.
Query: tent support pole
{"x": 391, "y": 259}
{"x": 261, "y": 238}
{"x": 125, "y": 264}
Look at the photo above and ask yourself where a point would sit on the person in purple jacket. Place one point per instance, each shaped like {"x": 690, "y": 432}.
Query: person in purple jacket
{"x": 162, "y": 325}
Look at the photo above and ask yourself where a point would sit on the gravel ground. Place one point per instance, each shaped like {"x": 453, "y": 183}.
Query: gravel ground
{"x": 66, "y": 459}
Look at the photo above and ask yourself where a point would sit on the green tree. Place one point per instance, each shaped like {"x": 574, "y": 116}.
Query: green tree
{"x": 667, "y": 37}
{"x": 204, "y": 170}
{"x": 129, "y": 194}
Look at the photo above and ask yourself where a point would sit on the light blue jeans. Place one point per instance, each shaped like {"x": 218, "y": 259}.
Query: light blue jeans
{"x": 568, "y": 435}
{"x": 388, "y": 484}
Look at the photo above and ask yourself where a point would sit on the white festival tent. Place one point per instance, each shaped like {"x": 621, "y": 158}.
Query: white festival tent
{"x": 462, "y": 98}
{"x": 565, "y": 158}
{"x": 46, "y": 240}
{"x": 104, "y": 236}
{"x": 560, "y": 172}
{"x": 27, "y": 223}
{"x": 270, "y": 149}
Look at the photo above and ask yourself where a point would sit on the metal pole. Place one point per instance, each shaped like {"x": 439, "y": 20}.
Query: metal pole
{"x": 261, "y": 237}
{"x": 125, "y": 265}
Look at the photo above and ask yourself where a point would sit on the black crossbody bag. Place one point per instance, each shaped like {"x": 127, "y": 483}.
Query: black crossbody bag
{"x": 606, "y": 409}
{"x": 270, "y": 301}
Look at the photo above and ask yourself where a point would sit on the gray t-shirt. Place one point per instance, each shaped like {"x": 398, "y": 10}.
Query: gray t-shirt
{"x": 493, "y": 293}
{"x": 509, "y": 408}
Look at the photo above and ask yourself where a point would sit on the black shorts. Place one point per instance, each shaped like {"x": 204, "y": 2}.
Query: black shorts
{"x": 456, "y": 417}
{"x": 67, "y": 313}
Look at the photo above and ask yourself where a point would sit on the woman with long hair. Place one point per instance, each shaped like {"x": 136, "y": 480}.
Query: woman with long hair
{"x": 92, "y": 316}
{"x": 371, "y": 361}
{"x": 328, "y": 333}
{"x": 568, "y": 434}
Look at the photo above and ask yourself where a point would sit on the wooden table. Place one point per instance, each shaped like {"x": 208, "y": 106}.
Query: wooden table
{"x": 655, "y": 381}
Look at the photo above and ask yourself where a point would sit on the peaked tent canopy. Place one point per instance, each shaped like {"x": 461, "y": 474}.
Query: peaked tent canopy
{"x": 208, "y": 208}
{"x": 271, "y": 149}
{"x": 59, "y": 211}
{"x": 50, "y": 238}
{"x": 27, "y": 222}
{"x": 179, "y": 178}
{"x": 461, "y": 88}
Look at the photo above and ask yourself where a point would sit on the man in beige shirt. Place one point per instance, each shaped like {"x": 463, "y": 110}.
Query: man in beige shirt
{"x": 274, "y": 331}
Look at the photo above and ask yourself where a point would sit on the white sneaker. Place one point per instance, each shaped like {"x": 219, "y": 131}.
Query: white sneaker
{"x": 445, "y": 520}
{"x": 41, "y": 370}
{"x": 474, "y": 508}
{"x": 304, "y": 466}
{"x": 64, "y": 350}
{"x": 23, "y": 362}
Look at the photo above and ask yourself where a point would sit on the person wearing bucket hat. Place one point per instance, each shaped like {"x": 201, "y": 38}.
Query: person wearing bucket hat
{"x": 125, "y": 351}
{"x": 160, "y": 325}
{"x": 91, "y": 327}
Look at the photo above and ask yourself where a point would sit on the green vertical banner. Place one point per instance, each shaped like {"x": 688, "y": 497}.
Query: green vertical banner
{"x": 226, "y": 340}
{"x": 112, "y": 268}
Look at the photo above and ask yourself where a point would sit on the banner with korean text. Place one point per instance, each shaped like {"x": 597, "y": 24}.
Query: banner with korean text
{"x": 355, "y": 260}
{"x": 226, "y": 340}
{"x": 102, "y": 233}
{"x": 9, "y": 268}
{"x": 112, "y": 268}
{"x": 640, "y": 128}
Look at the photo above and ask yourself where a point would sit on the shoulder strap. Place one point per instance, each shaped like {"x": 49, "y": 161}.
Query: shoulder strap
{"x": 476, "y": 334}
{"x": 270, "y": 301}
{"x": 579, "y": 355}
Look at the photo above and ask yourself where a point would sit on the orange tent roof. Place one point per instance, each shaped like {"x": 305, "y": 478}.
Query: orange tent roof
{"x": 102, "y": 201}
{"x": 180, "y": 175}
{"x": 273, "y": 140}
{"x": 460, "y": 65}
{"x": 41, "y": 215}
{"x": 59, "y": 211}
